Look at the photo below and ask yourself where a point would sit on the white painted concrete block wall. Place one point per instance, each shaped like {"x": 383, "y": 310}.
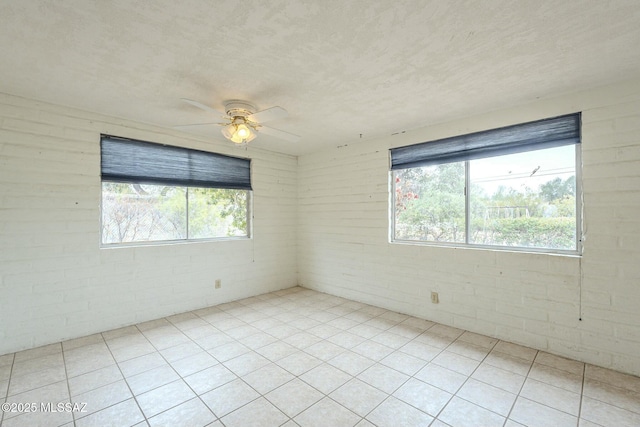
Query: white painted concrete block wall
{"x": 55, "y": 281}
{"x": 532, "y": 299}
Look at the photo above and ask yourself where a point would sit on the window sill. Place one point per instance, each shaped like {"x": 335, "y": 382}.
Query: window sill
{"x": 515, "y": 250}
{"x": 172, "y": 242}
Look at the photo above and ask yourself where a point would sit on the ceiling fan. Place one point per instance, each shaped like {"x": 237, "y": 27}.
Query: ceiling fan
{"x": 242, "y": 121}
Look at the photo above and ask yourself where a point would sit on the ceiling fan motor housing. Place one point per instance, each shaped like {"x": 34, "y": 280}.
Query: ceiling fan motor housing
{"x": 235, "y": 108}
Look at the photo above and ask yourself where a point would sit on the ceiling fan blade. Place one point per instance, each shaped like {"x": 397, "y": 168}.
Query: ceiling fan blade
{"x": 269, "y": 114}
{"x": 279, "y": 134}
{"x": 203, "y": 107}
{"x": 197, "y": 124}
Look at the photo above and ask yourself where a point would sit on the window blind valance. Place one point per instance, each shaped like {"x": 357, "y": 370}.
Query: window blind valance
{"x": 540, "y": 134}
{"x": 129, "y": 160}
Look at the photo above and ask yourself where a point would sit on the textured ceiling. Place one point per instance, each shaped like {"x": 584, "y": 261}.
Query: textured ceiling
{"x": 341, "y": 68}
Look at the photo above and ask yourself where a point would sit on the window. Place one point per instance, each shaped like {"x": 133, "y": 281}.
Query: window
{"x": 515, "y": 187}
{"x": 153, "y": 192}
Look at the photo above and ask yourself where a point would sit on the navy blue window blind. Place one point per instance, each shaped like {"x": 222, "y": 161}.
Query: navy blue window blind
{"x": 546, "y": 133}
{"x": 129, "y": 160}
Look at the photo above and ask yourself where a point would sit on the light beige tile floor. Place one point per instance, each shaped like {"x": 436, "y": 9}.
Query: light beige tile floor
{"x": 303, "y": 358}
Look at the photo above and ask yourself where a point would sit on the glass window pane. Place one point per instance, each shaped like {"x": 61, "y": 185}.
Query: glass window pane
{"x": 140, "y": 212}
{"x": 525, "y": 200}
{"x": 217, "y": 212}
{"x": 429, "y": 203}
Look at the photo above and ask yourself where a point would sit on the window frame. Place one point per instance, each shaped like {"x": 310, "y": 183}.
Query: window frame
{"x": 249, "y": 211}
{"x": 467, "y": 195}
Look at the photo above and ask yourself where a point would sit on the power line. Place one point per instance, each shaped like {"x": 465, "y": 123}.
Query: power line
{"x": 525, "y": 175}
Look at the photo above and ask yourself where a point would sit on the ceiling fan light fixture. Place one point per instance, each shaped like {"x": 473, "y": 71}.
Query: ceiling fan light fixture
{"x": 239, "y": 133}
{"x": 243, "y": 131}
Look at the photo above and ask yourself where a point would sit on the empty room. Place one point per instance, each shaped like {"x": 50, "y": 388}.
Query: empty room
{"x": 320, "y": 213}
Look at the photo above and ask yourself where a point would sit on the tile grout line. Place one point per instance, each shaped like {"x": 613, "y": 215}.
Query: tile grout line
{"x": 177, "y": 373}
{"x": 399, "y": 349}
{"x": 413, "y": 376}
{"x": 274, "y": 362}
{"x": 522, "y": 386}
{"x": 294, "y": 375}
{"x": 124, "y": 378}
{"x": 465, "y": 381}
{"x": 66, "y": 377}
{"x": 584, "y": 380}
{"x": 609, "y": 403}
{"x": 6, "y": 398}
{"x": 238, "y": 377}
{"x": 12, "y": 378}
{"x": 324, "y": 395}
{"x": 389, "y": 367}
{"x": 348, "y": 349}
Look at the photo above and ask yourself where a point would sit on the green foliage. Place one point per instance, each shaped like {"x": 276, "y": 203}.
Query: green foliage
{"x": 431, "y": 203}
{"x": 211, "y": 208}
{"x": 526, "y": 232}
{"x": 430, "y": 206}
{"x": 140, "y": 212}
{"x": 172, "y": 208}
{"x": 135, "y": 212}
{"x": 558, "y": 189}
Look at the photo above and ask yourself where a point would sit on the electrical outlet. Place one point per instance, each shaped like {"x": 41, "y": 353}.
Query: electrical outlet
{"x": 434, "y": 298}
{"x": 218, "y": 283}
